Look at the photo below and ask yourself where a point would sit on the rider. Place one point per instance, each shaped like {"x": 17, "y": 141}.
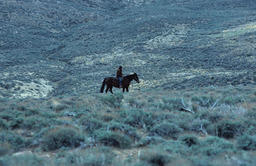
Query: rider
{"x": 119, "y": 75}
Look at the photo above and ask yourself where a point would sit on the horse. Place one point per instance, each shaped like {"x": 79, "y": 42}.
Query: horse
{"x": 113, "y": 82}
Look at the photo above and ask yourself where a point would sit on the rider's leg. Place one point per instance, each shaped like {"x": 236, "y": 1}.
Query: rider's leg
{"x": 120, "y": 82}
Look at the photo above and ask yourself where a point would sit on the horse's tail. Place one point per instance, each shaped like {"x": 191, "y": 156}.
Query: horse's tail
{"x": 103, "y": 86}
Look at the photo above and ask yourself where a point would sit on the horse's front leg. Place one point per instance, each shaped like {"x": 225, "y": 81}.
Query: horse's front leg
{"x": 107, "y": 89}
{"x": 123, "y": 90}
{"x": 111, "y": 89}
{"x": 127, "y": 90}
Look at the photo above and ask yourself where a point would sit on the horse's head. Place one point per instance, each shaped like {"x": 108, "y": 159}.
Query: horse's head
{"x": 136, "y": 78}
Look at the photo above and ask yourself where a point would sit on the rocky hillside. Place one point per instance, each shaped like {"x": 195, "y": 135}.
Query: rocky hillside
{"x": 52, "y": 47}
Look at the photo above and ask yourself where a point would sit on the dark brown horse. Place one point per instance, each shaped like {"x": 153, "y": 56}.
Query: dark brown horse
{"x": 113, "y": 82}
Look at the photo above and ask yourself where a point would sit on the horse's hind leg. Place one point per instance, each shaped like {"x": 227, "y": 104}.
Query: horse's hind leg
{"x": 111, "y": 89}
{"x": 127, "y": 90}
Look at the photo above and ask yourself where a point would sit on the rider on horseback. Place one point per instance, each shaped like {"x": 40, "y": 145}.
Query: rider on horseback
{"x": 119, "y": 76}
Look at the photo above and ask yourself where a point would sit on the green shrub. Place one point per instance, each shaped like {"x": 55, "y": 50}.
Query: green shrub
{"x": 59, "y": 107}
{"x": 174, "y": 147}
{"x": 215, "y": 117}
{"x": 7, "y": 116}
{"x": 17, "y": 123}
{"x": 137, "y": 163}
{"x": 133, "y": 102}
{"x": 106, "y": 118}
{"x": 228, "y": 129}
{"x": 204, "y": 101}
{"x": 213, "y": 146}
{"x": 211, "y": 116}
{"x": 183, "y": 121}
{"x": 20, "y": 107}
{"x": 155, "y": 158}
{"x": 24, "y": 160}
{"x": 42, "y": 132}
{"x": 166, "y": 129}
{"x": 31, "y": 122}
{"x": 189, "y": 140}
{"x": 14, "y": 140}
{"x": 199, "y": 125}
{"x": 92, "y": 157}
{"x": 244, "y": 159}
{"x": 171, "y": 104}
{"x": 247, "y": 142}
{"x": 251, "y": 114}
{"x": 150, "y": 140}
{"x": 61, "y": 137}
{"x": 48, "y": 114}
{"x": 11, "y": 114}
{"x": 90, "y": 124}
{"x": 168, "y": 116}
{"x": 113, "y": 100}
{"x": 35, "y": 122}
{"x": 232, "y": 100}
{"x": 203, "y": 161}
{"x": 3, "y": 124}
{"x": 4, "y": 149}
{"x": 249, "y": 126}
{"x": 109, "y": 138}
{"x": 124, "y": 128}
{"x": 138, "y": 118}
{"x": 31, "y": 112}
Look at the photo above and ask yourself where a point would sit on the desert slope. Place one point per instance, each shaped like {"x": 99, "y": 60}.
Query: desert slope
{"x": 51, "y": 48}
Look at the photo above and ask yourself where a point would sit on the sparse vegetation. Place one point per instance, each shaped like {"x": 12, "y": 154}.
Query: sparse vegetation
{"x": 129, "y": 133}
